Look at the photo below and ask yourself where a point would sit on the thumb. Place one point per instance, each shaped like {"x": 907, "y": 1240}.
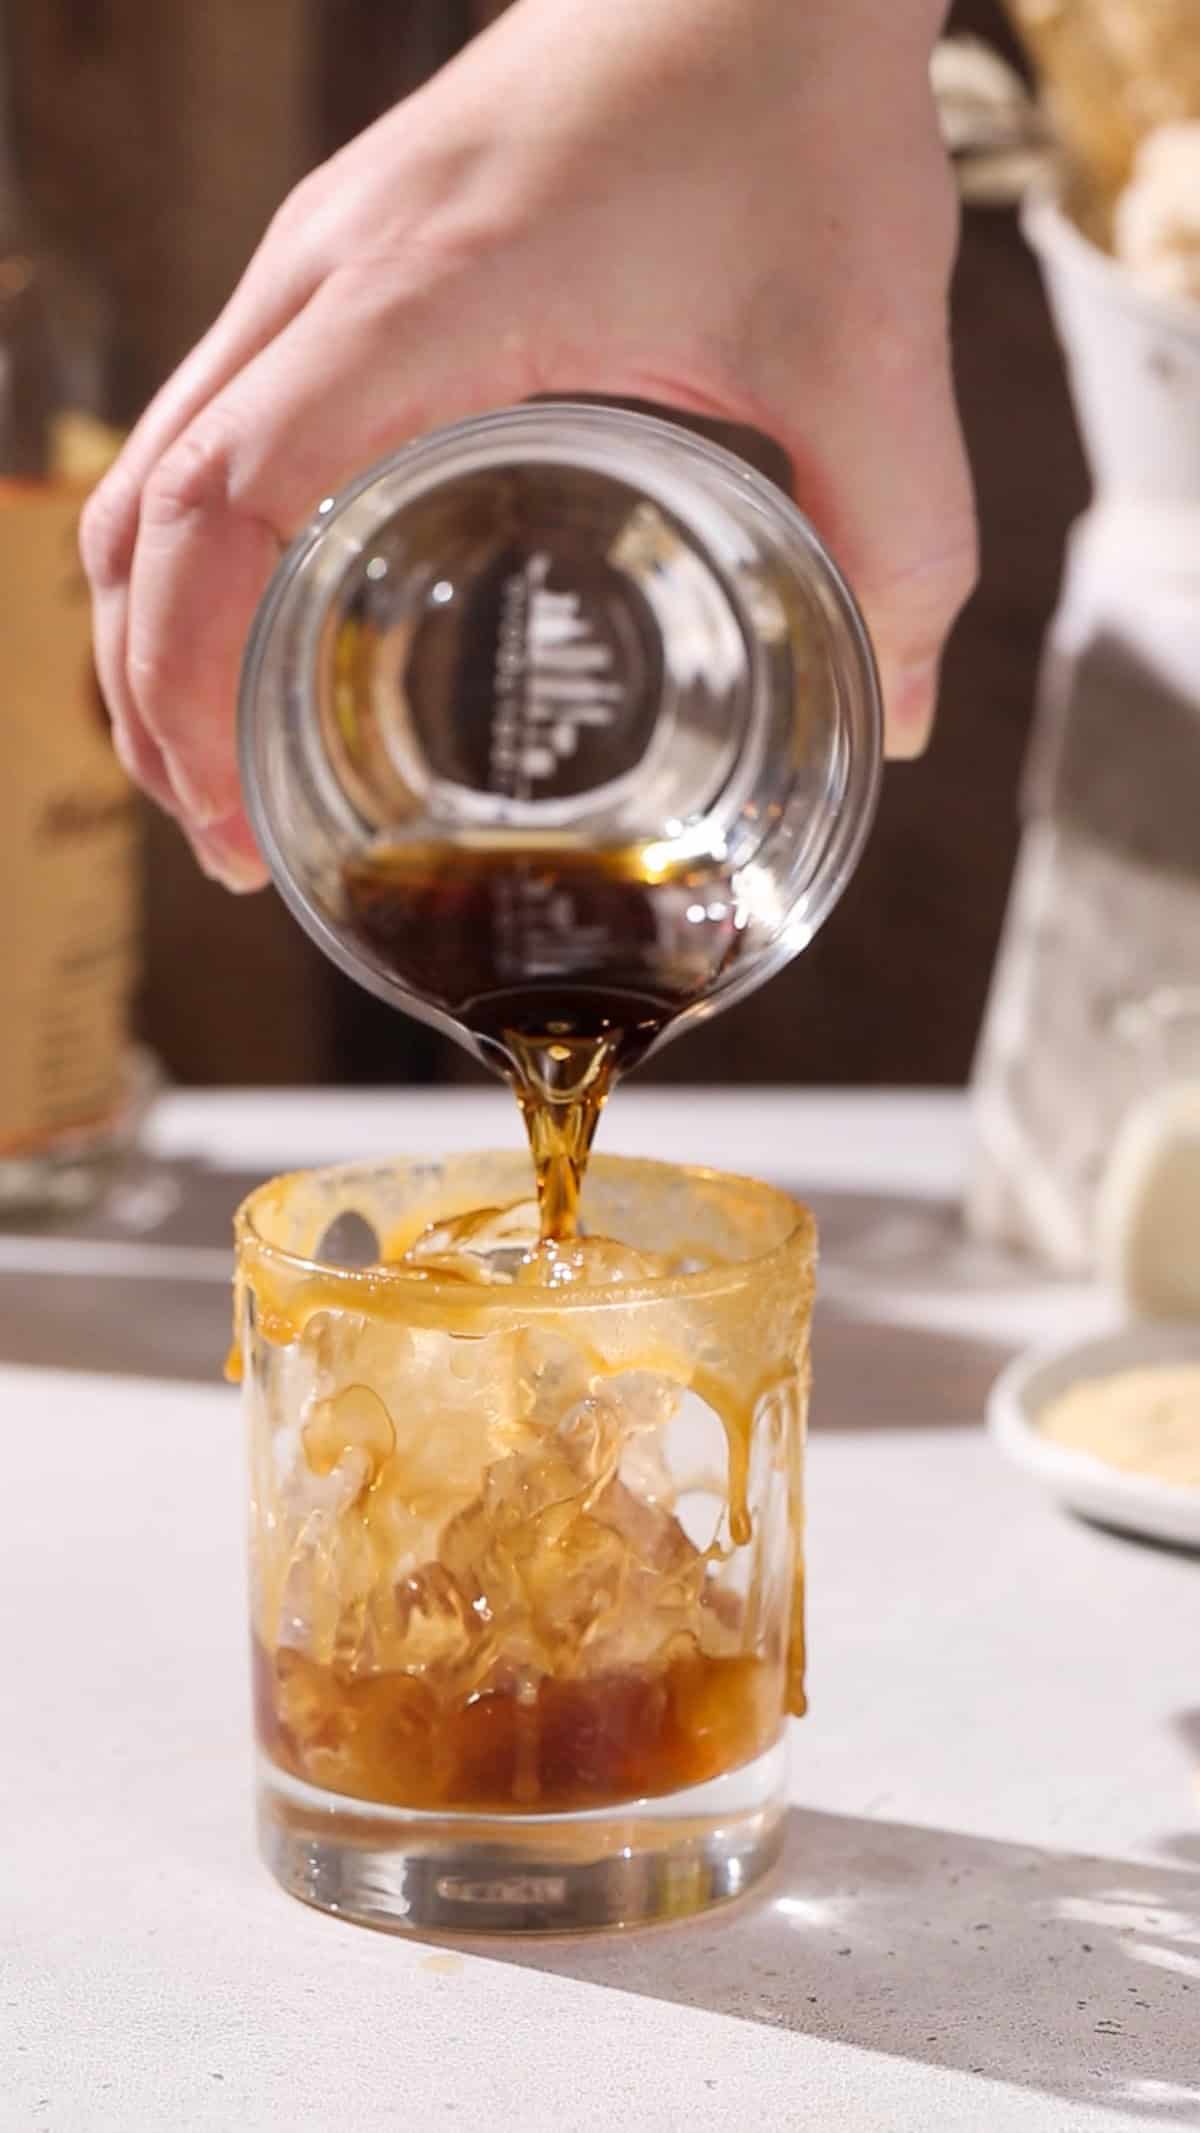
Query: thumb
{"x": 892, "y": 496}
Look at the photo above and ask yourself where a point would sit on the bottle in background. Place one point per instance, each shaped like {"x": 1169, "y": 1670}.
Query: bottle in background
{"x": 69, "y": 1083}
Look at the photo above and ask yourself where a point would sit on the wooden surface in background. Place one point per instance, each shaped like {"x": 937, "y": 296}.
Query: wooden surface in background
{"x": 158, "y": 142}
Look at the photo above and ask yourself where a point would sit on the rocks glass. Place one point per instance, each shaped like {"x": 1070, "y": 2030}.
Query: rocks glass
{"x": 526, "y": 1560}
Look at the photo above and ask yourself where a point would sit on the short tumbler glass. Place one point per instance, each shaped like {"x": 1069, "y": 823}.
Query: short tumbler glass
{"x": 526, "y": 1575}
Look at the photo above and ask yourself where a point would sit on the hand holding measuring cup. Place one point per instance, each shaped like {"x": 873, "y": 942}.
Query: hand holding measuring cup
{"x": 671, "y": 202}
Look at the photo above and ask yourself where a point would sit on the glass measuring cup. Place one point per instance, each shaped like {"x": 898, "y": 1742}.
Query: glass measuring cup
{"x": 597, "y": 694}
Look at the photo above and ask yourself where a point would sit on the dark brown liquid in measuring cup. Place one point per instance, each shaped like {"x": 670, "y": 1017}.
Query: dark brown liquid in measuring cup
{"x": 565, "y": 964}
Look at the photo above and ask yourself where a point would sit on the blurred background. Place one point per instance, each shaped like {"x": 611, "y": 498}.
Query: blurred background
{"x": 155, "y": 143}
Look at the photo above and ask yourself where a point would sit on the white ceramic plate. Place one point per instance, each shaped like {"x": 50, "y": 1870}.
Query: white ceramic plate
{"x": 1133, "y": 1502}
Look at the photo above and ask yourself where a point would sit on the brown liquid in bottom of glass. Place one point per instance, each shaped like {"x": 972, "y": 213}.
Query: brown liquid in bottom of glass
{"x": 390, "y": 1738}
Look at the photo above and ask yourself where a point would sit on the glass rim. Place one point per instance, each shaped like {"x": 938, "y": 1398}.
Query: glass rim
{"x": 370, "y": 1283}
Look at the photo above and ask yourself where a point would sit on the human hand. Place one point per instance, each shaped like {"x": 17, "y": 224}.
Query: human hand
{"x": 729, "y": 206}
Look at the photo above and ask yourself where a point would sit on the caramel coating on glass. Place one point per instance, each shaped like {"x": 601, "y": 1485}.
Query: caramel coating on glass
{"x": 487, "y": 1597}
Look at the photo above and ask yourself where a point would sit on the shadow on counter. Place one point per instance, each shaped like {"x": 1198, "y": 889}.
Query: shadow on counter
{"x": 1075, "y": 1977}
{"x": 141, "y": 1288}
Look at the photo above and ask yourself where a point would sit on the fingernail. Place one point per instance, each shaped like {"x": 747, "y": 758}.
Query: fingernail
{"x": 227, "y": 853}
{"x": 911, "y": 706}
{"x": 141, "y": 762}
{"x": 201, "y": 803}
{"x": 202, "y": 800}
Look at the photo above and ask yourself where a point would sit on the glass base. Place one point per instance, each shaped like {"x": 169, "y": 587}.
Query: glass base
{"x": 616, "y": 1866}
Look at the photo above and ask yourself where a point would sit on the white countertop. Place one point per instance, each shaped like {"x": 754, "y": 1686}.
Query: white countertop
{"x": 988, "y": 1916}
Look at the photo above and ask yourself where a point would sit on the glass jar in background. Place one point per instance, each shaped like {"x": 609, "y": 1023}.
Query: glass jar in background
{"x": 526, "y": 1561}
{"x": 71, "y": 1088}
{"x": 1105, "y": 901}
